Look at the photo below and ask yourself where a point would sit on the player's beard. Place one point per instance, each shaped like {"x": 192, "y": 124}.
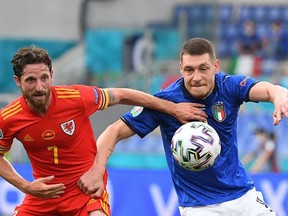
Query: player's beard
{"x": 39, "y": 104}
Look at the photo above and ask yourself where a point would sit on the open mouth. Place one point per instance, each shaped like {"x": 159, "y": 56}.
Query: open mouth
{"x": 39, "y": 96}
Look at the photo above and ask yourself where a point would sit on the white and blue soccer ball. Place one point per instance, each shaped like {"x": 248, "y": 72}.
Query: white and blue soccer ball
{"x": 196, "y": 146}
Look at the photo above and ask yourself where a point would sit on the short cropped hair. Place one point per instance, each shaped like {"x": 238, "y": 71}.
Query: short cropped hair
{"x": 198, "y": 46}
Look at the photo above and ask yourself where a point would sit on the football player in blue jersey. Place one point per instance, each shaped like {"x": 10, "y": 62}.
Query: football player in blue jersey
{"x": 224, "y": 188}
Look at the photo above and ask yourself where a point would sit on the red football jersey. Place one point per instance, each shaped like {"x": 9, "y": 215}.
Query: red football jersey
{"x": 61, "y": 143}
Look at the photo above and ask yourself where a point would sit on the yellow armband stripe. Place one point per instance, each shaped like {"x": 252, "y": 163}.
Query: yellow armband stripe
{"x": 105, "y": 99}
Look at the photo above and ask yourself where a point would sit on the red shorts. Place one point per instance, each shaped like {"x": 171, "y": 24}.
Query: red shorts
{"x": 33, "y": 206}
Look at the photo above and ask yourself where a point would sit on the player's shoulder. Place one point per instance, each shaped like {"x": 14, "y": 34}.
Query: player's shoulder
{"x": 67, "y": 91}
{"x": 227, "y": 80}
{"x": 223, "y": 77}
{"x": 12, "y": 111}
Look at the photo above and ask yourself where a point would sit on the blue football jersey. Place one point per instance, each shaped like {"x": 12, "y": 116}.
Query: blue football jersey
{"x": 226, "y": 179}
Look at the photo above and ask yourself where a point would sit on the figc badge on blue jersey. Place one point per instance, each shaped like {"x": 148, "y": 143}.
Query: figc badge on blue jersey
{"x": 219, "y": 111}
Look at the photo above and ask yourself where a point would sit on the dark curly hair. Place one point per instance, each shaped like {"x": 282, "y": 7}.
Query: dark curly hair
{"x": 29, "y": 55}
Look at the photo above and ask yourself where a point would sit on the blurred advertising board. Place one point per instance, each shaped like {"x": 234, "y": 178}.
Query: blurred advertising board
{"x": 145, "y": 192}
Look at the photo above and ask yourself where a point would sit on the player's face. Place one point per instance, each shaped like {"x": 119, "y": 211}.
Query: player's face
{"x": 35, "y": 84}
{"x": 199, "y": 74}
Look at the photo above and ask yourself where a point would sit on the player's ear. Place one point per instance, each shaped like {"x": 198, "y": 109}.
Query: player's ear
{"x": 181, "y": 67}
{"x": 217, "y": 64}
{"x": 17, "y": 80}
{"x": 52, "y": 74}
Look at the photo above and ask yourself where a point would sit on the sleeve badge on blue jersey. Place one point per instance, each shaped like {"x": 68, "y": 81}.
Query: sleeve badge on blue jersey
{"x": 1, "y": 134}
{"x": 136, "y": 111}
{"x": 244, "y": 81}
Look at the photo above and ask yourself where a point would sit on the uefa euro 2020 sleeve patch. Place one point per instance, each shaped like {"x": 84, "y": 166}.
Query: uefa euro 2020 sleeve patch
{"x": 136, "y": 111}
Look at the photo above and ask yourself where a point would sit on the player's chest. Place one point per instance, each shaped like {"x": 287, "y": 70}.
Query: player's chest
{"x": 60, "y": 130}
{"x": 219, "y": 108}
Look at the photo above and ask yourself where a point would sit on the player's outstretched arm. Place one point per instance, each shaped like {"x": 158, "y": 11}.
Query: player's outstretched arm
{"x": 268, "y": 92}
{"x": 36, "y": 188}
{"x": 184, "y": 112}
{"x": 92, "y": 181}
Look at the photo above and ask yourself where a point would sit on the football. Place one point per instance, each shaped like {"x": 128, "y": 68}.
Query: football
{"x": 196, "y": 146}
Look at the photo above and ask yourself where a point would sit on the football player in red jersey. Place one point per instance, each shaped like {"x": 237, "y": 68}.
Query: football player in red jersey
{"x": 52, "y": 122}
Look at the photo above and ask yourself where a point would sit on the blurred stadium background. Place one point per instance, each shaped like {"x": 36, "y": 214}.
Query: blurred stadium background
{"x": 135, "y": 44}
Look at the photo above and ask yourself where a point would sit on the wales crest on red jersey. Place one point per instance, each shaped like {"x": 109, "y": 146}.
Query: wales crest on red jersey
{"x": 68, "y": 127}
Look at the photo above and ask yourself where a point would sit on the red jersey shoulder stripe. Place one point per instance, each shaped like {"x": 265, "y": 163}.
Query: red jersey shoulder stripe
{"x": 67, "y": 93}
{"x": 11, "y": 110}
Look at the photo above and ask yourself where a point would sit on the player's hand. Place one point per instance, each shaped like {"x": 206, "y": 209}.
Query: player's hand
{"x": 40, "y": 189}
{"x": 281, "y": 108}
{"x": 91, "y": 183}
{"x": 186, "y": 112}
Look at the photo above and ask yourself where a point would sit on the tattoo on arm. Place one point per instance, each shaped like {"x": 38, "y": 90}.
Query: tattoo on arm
{"x": 111, "y": 97}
